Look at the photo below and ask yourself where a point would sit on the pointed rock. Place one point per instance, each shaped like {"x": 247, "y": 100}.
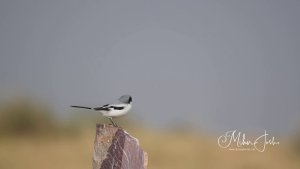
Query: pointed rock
{"x": 115, "y": 148}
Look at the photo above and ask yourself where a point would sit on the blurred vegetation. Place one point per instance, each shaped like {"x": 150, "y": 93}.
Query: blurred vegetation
{"x": 25, "y": 118}
{"x": 31, "y": 137}
{"x": 296, "y": 144}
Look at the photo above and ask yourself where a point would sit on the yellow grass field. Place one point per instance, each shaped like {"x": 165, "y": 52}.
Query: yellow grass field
{"x": 166, "y": 150}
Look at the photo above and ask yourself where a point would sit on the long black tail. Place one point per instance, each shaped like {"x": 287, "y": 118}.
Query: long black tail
{"x": 82, "y": 107}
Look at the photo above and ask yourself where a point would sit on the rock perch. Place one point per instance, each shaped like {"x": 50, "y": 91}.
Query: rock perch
{"x": 114, "y": 148}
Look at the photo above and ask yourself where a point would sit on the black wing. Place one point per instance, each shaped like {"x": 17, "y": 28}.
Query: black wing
{"x": 108, "y": 107}
{"x": 117, "y": 108}
{"x": 104, "y": 107}
{"x": 101, "y": 108}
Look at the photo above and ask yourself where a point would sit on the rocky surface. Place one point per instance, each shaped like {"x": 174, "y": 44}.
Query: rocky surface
{"x": 114, "y": 148}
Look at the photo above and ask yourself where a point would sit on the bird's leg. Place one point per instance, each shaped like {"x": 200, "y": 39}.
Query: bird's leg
{"x": 110, "y": 118}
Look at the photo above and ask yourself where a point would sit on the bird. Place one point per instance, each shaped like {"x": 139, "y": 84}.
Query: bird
{"x": 112, "y": 110}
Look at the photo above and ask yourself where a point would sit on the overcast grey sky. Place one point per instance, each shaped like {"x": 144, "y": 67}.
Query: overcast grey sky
{"x": 216, "y": 65}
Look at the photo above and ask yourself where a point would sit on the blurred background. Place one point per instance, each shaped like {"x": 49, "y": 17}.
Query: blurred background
{"x": 195, "y": 69}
